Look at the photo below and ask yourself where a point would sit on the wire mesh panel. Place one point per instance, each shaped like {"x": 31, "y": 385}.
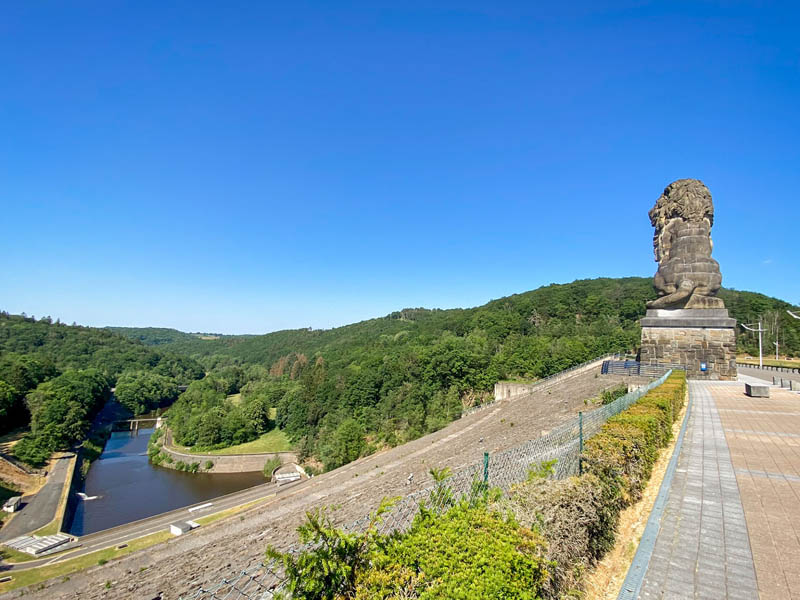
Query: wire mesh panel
{"x": 503, "y": 469}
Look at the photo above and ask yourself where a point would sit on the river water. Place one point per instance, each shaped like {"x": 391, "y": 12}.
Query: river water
{"x": 129, "y": 488}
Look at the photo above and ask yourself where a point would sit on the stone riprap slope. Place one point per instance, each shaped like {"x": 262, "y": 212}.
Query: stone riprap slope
{"x": 208, "y": 555}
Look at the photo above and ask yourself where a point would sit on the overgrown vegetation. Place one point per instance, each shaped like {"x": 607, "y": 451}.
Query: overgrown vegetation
{"x": 608, "y": 396}
{"x": 535, "y": 542}
{"x": 269, "y": 466}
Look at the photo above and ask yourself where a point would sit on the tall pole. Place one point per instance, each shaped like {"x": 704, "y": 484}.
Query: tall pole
{"x": 760, "y": 330}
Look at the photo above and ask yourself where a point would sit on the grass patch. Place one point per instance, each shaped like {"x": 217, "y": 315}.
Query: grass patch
{"x": 36, "y": 575}
{"x": 14, "y": 556}
{"x": 235, "y": 398}
{"x": 272, "y": 441}
{"x": 7, "y": 491}
{"x": 771, "y": 362}
{"x": 51, "y": 528}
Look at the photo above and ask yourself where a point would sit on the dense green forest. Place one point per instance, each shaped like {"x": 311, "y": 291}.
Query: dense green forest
{"x": 343, "y": 392}
{"x": 156, "y": 336}
{"x": 55, "y": 377}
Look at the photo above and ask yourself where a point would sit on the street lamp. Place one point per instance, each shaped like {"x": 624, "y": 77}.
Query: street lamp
{"x": 760, "y": 331}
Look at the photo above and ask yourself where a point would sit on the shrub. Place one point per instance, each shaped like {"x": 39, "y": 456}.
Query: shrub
{"x": 608, "y": 396}
{"x": 269, "y": 466}
{"x": 330, "y": 569}
{"x": 570, "y": 515}
{"x": 469, "y": 552}
{"x": 208, "y": 465}
{"x": 193, "y": 468}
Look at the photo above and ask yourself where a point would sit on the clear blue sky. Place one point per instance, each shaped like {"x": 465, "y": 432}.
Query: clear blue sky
{"x": 252, "y": 166}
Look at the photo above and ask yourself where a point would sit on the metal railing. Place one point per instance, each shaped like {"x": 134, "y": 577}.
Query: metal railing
{"x": 502, "y": 470}
{"x": 770, "y": 368}
{"x": 632, "y": 367}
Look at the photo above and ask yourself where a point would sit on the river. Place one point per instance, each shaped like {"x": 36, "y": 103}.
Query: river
{"x": 129, "y": 488}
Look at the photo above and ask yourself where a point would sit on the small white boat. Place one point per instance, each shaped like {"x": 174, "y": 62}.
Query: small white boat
{"x": 83, "y": 496}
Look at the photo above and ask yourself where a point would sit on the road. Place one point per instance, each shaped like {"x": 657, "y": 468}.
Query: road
{"x": 124, "y": 533}
{"x": 766, "y": 375}
{"x": 39, "y": 509}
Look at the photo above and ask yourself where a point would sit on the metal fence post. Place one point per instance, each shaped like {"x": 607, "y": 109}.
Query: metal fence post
{"x": 580, "y": 438}
{"x": 485, "y": 467}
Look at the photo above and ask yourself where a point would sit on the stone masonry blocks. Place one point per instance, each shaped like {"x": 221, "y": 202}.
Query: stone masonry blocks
{"x": 691, "y": 346}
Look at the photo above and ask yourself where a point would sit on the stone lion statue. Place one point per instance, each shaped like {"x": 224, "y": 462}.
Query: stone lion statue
{"x": 687, "y": 276}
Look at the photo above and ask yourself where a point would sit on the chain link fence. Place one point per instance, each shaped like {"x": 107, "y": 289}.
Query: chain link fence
{"x": 563, "y": 444}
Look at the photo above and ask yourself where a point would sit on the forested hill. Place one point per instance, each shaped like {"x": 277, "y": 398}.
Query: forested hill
{"x": 606, "y": 309}
{"x": 158, "y": 336}
{"x": 55, "y": 377}
{"x": 60, "y": 347}
{"x": 343, "y": 392}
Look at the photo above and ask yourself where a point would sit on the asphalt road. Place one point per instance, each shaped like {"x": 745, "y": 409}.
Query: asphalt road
{"x": 40, "y": 508}
{"x": 766, "y": 375}
{"x": 124, "y": 533}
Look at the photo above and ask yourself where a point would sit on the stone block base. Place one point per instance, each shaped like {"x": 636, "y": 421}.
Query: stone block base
{"x": 756, "y": 391}
{"x": 692, "y": 348}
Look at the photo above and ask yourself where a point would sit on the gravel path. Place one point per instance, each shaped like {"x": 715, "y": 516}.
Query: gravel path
{"x": 212, "y": 553}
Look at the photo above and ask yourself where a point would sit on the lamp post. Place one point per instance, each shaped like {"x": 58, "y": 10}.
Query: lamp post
{"x": 760, "y": 352}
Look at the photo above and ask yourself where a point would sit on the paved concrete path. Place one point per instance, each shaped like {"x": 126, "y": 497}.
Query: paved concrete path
{"x": 763, "y": 436}
{"x": 702, "y": 549}
{"x": 731, "y": 526}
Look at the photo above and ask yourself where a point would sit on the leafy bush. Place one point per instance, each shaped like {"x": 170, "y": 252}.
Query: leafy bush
{"x": 608, "y": 396}
{"x": 569, "y": 514}
{"x": 329, "y": 570}
{"x": 269, "y": 466}
{"x": 208, "y": 465}
{"x": 469, "y": 552}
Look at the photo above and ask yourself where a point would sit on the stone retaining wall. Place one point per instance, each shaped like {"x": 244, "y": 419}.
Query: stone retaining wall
{"x": 230, "y": 463}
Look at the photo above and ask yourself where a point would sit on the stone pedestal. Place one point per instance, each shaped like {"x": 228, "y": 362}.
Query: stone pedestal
{"x": 701, "y": 340}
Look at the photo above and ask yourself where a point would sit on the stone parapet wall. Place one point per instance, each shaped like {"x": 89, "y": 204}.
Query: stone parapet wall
{"x": 691, "y": 346}
{"x": 506, "y": 389}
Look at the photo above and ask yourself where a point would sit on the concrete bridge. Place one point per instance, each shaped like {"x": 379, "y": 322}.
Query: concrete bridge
{"x": 134, "y": 424}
